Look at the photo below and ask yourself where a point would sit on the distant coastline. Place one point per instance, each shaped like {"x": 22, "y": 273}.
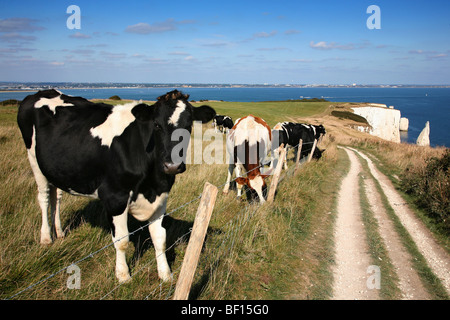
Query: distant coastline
{"x": 35, "y": 86}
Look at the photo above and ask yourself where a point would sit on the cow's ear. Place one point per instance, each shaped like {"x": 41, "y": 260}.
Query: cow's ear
{"x": 241, "y": 180}
{"x": 203, "y": 113}
{"x": 143, "y": 112}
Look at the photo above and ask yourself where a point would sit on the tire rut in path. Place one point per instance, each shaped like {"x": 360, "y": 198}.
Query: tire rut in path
{"x": 352, "y": 258}
{"x": 410, "y": 284}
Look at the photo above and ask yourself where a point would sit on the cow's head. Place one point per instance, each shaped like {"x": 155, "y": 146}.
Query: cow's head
{"x": 171, "y": 111}
{"x": 320, "y": 129}
{"x": 318, "y": 153}
{"x": 256, "y": 184}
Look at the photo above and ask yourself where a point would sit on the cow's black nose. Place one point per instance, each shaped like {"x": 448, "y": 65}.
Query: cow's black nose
{"x": 174, "y": 168}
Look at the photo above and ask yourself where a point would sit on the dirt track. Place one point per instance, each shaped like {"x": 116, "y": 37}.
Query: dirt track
{"x": 353, "y": 271}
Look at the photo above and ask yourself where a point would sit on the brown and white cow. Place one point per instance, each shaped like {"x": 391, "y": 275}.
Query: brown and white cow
{"x": 248, "y": 144}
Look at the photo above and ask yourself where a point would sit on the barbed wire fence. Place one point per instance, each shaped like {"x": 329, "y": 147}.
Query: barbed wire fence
{"x": 222, "y": 247}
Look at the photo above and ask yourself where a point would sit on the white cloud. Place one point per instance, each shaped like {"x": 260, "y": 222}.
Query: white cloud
{"x": 438, "y": 56}
{"x": 15, "y": 37}
{"x": 292, "y": 31}
{"x": 421, "y": 52}
{"x": 323, "y": 45}
{"x": 157, "y": 27}
{"x": 301, "y": 60}
{"x": 79, "y": 35}
{"x": 178, "y": 53}
{"x": 264, "y": 34}
{"x": 19, "y": 25}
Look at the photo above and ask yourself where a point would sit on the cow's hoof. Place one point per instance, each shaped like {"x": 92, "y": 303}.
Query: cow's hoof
{"x": 165, "y": 276}
{"x": 45, "y": 241}
{"x": 60, "y": 234}
{"x": 123, "y": 277}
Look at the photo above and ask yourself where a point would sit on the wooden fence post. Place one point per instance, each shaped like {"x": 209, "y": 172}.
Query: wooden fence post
{"x": 299, "y": 151}
{"x": 276, "y": 176}
{"x": 194, "y": 247}
{"x": 312, "y": 150}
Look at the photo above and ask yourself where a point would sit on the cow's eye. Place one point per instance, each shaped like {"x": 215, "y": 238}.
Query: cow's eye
{"x": 157, "y": 126}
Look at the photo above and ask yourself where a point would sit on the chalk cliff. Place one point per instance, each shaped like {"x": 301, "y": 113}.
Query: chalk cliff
{"x": 385, "y": 122}
{"x": 424, "y": 136}
{"x": 404, "y": 124}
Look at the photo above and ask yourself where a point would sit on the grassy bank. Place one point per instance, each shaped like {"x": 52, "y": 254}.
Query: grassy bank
{"x": 243, "y": 239}
{"x": 276, "y": 251}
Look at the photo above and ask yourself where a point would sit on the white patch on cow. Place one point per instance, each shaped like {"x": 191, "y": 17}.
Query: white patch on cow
{"x": 143, "y": 210}
{"x": 43, "y": 190}
{"x": 253, "y": 132}
{"x": 115, "y": 124}
{"x": 257, "y": 184}
{"x": 181, "y": 106}
{"x": 120, "y": 240}
{"x": 285, "y": 129}
{"x": 52, "y": 103}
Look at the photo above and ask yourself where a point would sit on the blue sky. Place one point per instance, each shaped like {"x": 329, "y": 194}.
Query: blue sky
{"x": 300, "y": 41}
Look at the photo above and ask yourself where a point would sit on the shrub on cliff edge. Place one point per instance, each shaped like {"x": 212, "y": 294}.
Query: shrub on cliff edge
{"x": 431, "y": 187}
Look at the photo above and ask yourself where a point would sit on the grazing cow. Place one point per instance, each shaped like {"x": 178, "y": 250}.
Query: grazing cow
{"x": 289, "y": 134}
{"x": 119, "y": 154}
{"x": 319, "y": 130}
{"x": 248, "y": 143}
{"x": 222, "y": 123}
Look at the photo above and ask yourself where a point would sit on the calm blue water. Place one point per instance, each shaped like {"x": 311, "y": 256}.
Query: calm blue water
{"x": 417, "y": 104}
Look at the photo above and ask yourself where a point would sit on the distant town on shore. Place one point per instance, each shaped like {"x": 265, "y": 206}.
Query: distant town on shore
{"x": 32, "y": 86}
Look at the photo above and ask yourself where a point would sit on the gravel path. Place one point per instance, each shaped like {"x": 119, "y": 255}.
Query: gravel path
{"x": 437, "y": 258}
{"x": 353, "y": 267}
{"x": 352, "y": 258}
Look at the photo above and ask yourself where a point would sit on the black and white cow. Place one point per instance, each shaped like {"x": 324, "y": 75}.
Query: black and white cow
{"x": 290, "y": 133}
{"x": 119, "y": 154}
{"x": 222, "y": 123}
{"x": 319, "y": 130}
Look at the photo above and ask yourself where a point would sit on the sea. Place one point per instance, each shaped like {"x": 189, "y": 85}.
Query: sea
{"x": 419, "y": 105}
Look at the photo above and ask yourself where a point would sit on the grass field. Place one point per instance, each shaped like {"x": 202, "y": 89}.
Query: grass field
{"x": 275, "y": 251}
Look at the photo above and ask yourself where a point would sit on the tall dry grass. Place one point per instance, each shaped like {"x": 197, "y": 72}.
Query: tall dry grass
{"x": 276, "y": 251}
{"x": 247, "y": 254}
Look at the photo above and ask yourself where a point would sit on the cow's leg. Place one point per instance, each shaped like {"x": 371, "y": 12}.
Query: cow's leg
{"x": 158, "y": 234}
{"x": 230, "y": 174}
{"x": 55, "y": 208}
{"x": 43, "y": 199}
{"x": 43, "y": 196}
{"x": 239, "y": 170}
{"x": 239, "y": 189}
{"x": 120, "y": 239}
